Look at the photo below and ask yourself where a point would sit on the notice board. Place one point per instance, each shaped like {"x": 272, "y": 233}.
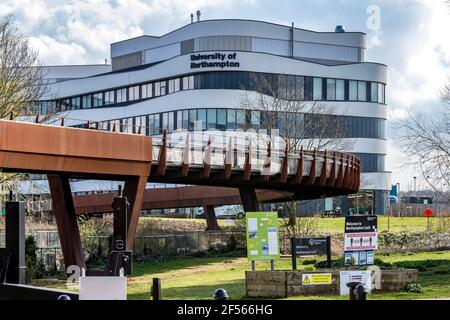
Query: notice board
{"x": 262, "y": 236}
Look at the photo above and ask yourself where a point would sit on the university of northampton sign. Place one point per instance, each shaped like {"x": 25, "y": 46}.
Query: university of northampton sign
{"x": 214, "y": 60}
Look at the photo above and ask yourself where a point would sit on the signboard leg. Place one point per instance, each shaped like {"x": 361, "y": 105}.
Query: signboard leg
{"x": 272, "y": 265}
{"x": 294, "y": 254}
{"x": 253, "y": 265}
{"x": 328, "y": 252}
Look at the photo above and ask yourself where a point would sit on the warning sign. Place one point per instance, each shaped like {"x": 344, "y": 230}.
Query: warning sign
{"x": 316, "y": 278}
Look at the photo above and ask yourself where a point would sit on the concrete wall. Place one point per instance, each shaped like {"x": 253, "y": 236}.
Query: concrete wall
{"x": 282, "y": 284}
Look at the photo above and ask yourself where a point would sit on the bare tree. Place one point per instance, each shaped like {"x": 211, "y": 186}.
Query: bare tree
{"x": 22, "y": 78}
{"x": 280, "y": 104}
{"x": 300, "y": 124}
{"x": 22, "y": 82}
{"x": 426, "y": 142}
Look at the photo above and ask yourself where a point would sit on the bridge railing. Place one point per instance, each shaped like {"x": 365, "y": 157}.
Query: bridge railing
{"x": 215, "y": 147}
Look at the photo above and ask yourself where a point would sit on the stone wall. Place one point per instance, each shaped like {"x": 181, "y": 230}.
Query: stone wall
{"x": 287, "y": 283}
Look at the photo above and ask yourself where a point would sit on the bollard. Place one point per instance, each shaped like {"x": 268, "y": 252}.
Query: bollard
{"x": 220, "y": 294}
{"x": 351, "y": 290}
{"x": 361, "y": 292}
{"x": 357, "y": 291}
{"x": 156, "y": 289}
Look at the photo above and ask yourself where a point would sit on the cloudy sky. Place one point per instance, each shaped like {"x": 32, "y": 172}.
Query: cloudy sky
{"x": 412, "y": 38}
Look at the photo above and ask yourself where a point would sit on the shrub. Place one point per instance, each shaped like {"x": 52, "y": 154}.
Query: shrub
{"x": 309, "y": 261}
{"x": 35, "y": 269}
{"x": 441, "y": 224}
{"x": 95, "y": 248}
{"x": 414, "y": 287}
{"x": 309, "y": 268}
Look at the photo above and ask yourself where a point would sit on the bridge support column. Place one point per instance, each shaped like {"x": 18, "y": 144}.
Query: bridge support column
{"x": 66, "y": 220}
{"x": 211, "y": 219}
{"x": 249, "y": 199}
{"x": 134, "y": 191}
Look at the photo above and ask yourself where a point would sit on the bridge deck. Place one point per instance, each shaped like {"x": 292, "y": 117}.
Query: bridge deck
{"x": 66, "y": 153}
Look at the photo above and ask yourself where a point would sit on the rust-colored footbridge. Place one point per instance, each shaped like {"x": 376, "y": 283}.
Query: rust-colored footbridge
{"x": 64, "y": 153}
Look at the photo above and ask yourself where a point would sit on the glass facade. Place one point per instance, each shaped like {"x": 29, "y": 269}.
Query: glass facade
{"x": 306, "y": 125}
{"x": 289, "y": 87}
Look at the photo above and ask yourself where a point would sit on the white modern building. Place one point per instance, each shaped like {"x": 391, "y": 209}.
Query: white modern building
{"x": 198, "y": 73}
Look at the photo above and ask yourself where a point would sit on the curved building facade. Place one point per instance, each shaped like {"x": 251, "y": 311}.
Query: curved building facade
{"x": 196, "y": 76}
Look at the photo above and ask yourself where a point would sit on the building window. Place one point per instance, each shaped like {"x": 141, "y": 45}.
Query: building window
{"x": 171, "y": 126}
{"x": 192, "y": 119}
{"x": 381, "y": 93}
{"x": 340, "y": 90}
{"x": 165, "y": 121}
{"x": 255, "y": 119}
{"x": 282, "y": 86}
{"x": 179, "y": 120}
{"x": 174, "y": 85}
{"x": 231, "y": 119}
{"x": 221, "y": 119}
{"x": 151, "y": 124}
{"x": 362, "y": 91}
{"x": 133, "y": 93}
{"x": 352, "y": 90}
{"x": 300, "y": 88}
{"x": 185, "y": 120}
{"x": 156, "y": 126}
{"x": 65, "y": 104}
{"x": 212, "y": 119}
{"x": 87, "y": 101}
{"x": 240, "y": 119}
{"x": 373, "y": 92}
{"x": 141, "y": 124}
{"x": 331, "y": 89}
{"x": 121, "y": 95}
{"x": 147, "y": 91}
{"x": 76, "y": 103}
{"x": 188, "y": 83}
{"x": 160, "y": 88}
{"x": 109, "y": 97}
{"x": 127, "y": 125}
{"x": 201, "y": 119}
{"x": 97, "y": 99}
{"x": 317, "y": 89}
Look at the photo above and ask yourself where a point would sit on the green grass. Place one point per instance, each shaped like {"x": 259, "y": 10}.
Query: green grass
{"x": 394, "y": 224}
{"x": 325, "y": 225}
{"x": 197, "y": 278}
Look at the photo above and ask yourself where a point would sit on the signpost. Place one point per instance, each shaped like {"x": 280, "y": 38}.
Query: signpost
{"x": 428, "y": 212}
{"x": 310, "y": 247}
{"x": 360, "y": 239}
{"x": 262, "y": 237}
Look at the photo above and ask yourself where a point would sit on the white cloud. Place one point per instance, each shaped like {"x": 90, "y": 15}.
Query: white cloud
{"x": 89, "y": 26}
{"x": 51, "y": 50}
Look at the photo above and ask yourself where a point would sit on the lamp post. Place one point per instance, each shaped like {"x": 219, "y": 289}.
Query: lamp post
{"x": 399, "y": 199}
{"x": 415, "y": 191}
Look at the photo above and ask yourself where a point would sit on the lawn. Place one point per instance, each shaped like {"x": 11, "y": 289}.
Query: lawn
{"x": 325, "y": 225}
{"x": 197, "y": 278}
{"x": 394, "y": 224}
